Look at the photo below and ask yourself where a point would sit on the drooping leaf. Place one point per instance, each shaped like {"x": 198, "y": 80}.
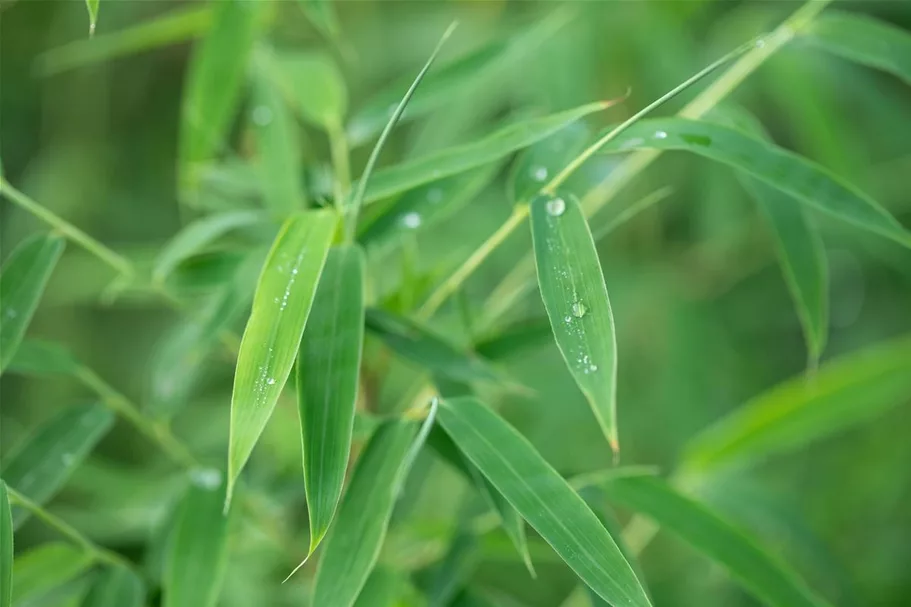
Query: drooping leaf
{"x": 42, "y": 569}
{"x": 312, "y": 83}
{"x": 777, "y": 167}
{"x": 803, "y": 260}
{"x": 198, "y": 550}
{"x": 22, "y": 281}
{"x": 196, "y": 236}
{"x": 427, "y": 350}
{"x": 281, "y": 305}
{"x": 173, "y": 27}
{"x": 278, "y": 149}
{"x": 543, "y": 498}
{"x": 213, "y": 86}
{"x": 116, "y": 586}
{"x": 92, "y": 6}
{"x": 41, "y": 466}
{"x": 6, "y": 548}
{"x": 328, "y": 371}
{"x": 414, "y": 173}
{"x": 863, "y": 39}
{"x": 575, "y": 297}
{"x": 845, "y": 391}
{"x": 353, "y": 544}
{"x": 768, "y": 580}
{"x": 39, "y": 358}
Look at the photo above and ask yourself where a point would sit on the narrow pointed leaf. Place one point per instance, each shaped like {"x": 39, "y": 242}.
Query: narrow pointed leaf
{"x": 42, "y": 569}
{"x": 43, "y": 464}
{"x": 352, "y": 547}
{"x": 198, "y": 548}
{"x": 92, "y": 7}
{"x": 792, "y": 174}
{"x": 763, "y": 575}
{"x": 22, "y": 281}
{"x": 543, "y": 498}
{"x": 213, "y": 86}
{"x": 116, "y": 586}
{"x": 414, "y": 173}
{"x": 6, "y": 548}
{"x": 195, "y": 237}
{"x": 845, "y": 391}
{"x": 575, "y": 297}
{"x": 328, "y": 371}
{"x": 802, "y": 257}
{"x": 278, "y": 150}
{"x": 427, "y": 350}
{"x": 281, "y": 305}
{"x": 865, "y": 40}
{"x": 312, "y": 83}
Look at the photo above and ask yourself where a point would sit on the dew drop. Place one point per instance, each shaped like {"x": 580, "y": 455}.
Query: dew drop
{"x": 760, "y": 43}
{"x": 270, "y": 381}
{"x": 411, "y": 220}
{"x": 568, "y": 319}
{"x": 556, "y": 206}
{"x": 660, "y": 135}
{"x": 539, "y": 173}
{"x": 262, "y": 115}
{"x": 206, "y": 478}
{"x": 579, "y": 309}
{"x": 632, "y": 143}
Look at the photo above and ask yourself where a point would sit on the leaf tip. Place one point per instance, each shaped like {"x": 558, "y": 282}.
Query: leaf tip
{"x": 296, "y": 569}
{"x": 606, "y": 103}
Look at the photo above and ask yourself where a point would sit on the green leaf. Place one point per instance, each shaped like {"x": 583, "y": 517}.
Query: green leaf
{"x": 328, "y": 371}
{"x": 278, "y": 150}
{"x": 575, "y": 297}
{"x": 92, "y": 6}
{"x": 803, "y": 260}
{"x": 543, "y": 498}
{"x": 198, "y": 551}
{"x": 195, "y": 237}
{"x": 442, "y": 582}
{"x": 777, "y": 167}
{"x": 41, "y": 466}
{"x": 46, "y": 567}
{"x": 22, "y": 281}
{"x": 40, "y": 358}
{"x": 545, "y": 159}
{"x": 6, "y": 548}
{"x": 321, "y": 14}
{"x": 213, "y": 84}
{"x": 420, "y": 346}
{"x": 353, "y": 544}
{"x": 516, "y": 338}
{"x": 414, "y": 173}
{"x": 768, "y": 580}
{"x": 281, "y": 304}
{"x": 843, "y": 392}
{"x": 865, "y": 40}
{"x": 173, "y": 27}
{"x": 117, "y": 586}
{"x": 312, "y": 83}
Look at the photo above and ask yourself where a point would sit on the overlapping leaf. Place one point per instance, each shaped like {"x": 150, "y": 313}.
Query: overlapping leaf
{"x": 40, "y": 570}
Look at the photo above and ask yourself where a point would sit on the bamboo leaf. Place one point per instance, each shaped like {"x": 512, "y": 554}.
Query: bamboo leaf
{"x": 543, "y": 498}
{"x": 196, "y": 236}
{"x": 777, "y": 167}
{"x": 414, "y": 173}
{"x": 22, "y": 281}
{"x": 281, "y": 305}
{"x": 353, "y": 544}
{"x": 312, "y": 83}
{"x": 116, "y": 586}
{"x": 328, "y": 368}
{"x": 41, "y": 466}
{"x": 575, "y": 297}
{"x": 411, "y": 341}
{"x": 843, "y": 392}
{"x": 321, "y": 14}
{"x": 278, "y": 150}
{"x": 40, "y": 358}
{"x": 198, "y": 551}
{"x": 545, "y": 159}
{"x": 6, "y": 548}
{"x": 92, "y": 6}
{"x": 42, "y": 569}
{"x": 865, "y": 40}
{"x": 770, "y": 581}
{"x": 170, "y": 28}
{"x": 213, "y": 86}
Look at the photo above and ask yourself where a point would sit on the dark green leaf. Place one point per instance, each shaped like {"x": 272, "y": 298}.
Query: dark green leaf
{"x": 38, "y": 357}
{"x": 6, "y": 548}
{"x": 543, "y": 498}
{"x": 116, "y": 586}
{"x": 22, "y": 281}
{"x": 41, "y": 466}
{"x": 575, "y": 297}
{"x": 328, "y": 371}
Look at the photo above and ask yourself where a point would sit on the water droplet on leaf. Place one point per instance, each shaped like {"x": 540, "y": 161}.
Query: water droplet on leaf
{"x": 556, "y": 206}
{"x": 660, "y": 135}
{"x": 411, "y": 220}
{"x": 539, "y": 173}
{"x": 579, "y": 309}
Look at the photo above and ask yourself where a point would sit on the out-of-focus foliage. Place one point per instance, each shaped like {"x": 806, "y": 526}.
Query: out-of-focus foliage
{"x": 759, "y": 313}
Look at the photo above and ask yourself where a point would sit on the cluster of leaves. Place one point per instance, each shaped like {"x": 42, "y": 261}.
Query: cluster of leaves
{"x": 302, "y": 291}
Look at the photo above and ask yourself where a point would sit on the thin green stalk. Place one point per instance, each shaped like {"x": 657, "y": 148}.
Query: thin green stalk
{"x": 97, "y": 552}
{"x": 338, "y": 149}
{"x": 116, "y": 261}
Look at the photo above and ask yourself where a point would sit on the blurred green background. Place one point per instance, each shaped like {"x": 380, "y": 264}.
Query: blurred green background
{"x": 704, "y": 317}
